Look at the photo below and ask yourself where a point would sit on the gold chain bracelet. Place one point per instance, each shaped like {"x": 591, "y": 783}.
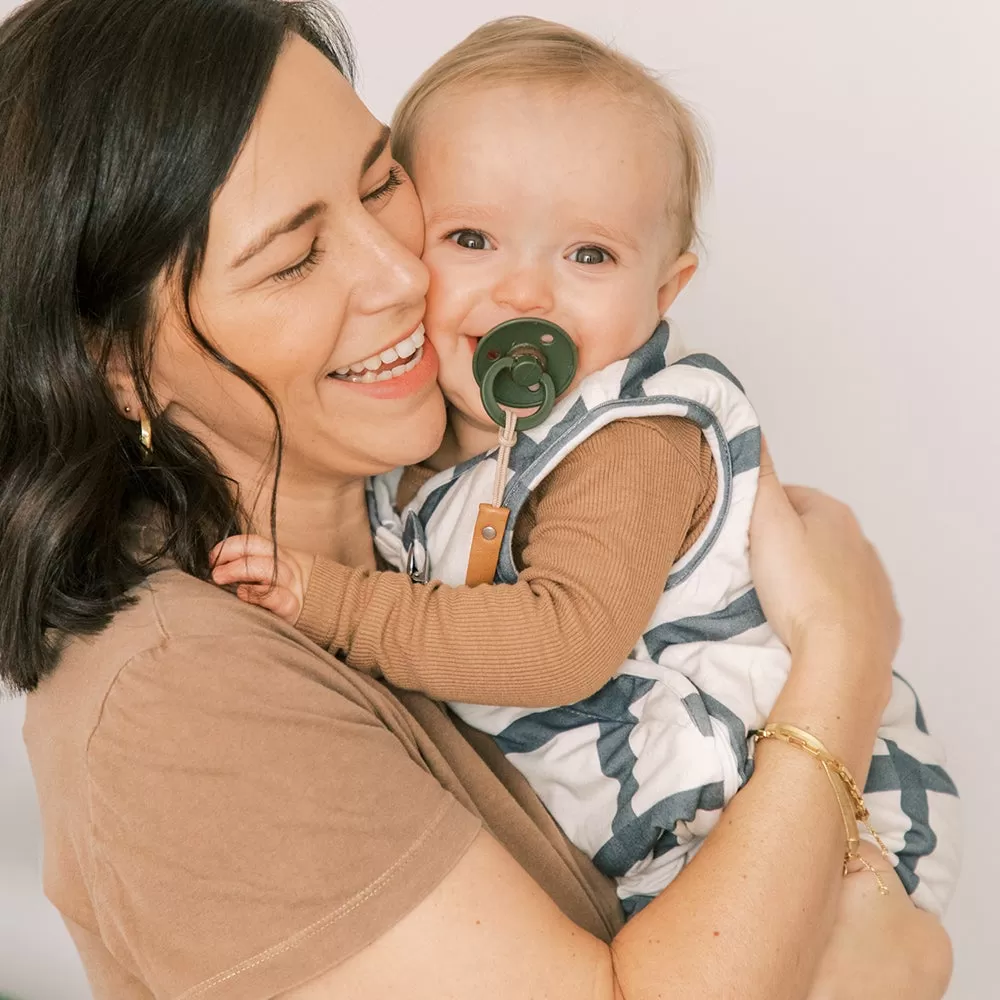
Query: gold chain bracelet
{"x": 845, "y": 788}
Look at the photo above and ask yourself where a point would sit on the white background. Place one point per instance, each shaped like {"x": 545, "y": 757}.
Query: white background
{"x": 850, "y": 276}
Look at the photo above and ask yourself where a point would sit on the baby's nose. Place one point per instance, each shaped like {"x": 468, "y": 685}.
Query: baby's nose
{"x": 526, "y": 290}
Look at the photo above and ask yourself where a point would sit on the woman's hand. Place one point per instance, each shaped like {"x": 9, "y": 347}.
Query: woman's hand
{"x": 248, "y": 561}
{"x": 815, "y": 572}
{"x": 826, "y": 594}
{"x": 882, "y": 946}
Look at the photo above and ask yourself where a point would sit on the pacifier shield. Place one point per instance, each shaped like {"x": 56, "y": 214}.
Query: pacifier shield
{"x": 535, "y": 347}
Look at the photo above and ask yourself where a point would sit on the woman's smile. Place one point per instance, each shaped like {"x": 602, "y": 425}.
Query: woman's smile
{"x": 393, "y": 362}
{"x": 395, "y": 379}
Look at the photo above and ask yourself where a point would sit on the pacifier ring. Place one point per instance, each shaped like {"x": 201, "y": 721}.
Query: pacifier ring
{"x": 524, "y": 364}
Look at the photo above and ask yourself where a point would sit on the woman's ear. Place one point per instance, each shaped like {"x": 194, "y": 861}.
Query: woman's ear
{"x": 675, "y": 278}
{"x": 122, "y": 387}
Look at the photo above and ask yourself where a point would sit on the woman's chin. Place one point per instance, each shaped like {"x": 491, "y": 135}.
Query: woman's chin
{"x": 398, "y": 421}
{"x": 420, "y": 436}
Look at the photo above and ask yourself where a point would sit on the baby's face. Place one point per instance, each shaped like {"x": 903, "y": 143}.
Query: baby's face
{"x": 543, "y": 204}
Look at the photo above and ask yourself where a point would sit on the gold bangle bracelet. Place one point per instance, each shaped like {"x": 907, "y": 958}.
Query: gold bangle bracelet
{"x": 852, "y": 804}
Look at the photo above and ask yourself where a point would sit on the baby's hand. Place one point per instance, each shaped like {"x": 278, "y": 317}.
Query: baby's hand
{"x": 248, "y": 560}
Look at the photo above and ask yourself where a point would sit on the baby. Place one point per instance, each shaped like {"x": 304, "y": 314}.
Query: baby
{"x": 560, "y": 181}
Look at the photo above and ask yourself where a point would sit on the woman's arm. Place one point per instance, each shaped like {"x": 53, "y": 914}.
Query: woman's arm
{"x": 752, "y": 914}
{"x": 487, "y": 930}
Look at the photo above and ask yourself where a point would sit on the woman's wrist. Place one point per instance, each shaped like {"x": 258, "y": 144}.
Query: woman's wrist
{"x": 863, "y": 654}
{"x": 837, "y": 690}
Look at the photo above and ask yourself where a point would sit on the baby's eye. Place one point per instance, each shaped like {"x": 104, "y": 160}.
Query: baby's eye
{"x": 470, "y": 239}
{"x": 590, "y": 255}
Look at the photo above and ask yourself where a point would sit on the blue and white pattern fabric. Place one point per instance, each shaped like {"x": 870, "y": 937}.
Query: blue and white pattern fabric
{"x": 637, "y": 774}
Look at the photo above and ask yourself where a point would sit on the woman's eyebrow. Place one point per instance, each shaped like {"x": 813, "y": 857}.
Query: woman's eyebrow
{"x": 304, "y": 215}
{"x": 376, "y": 149}
{"x": 288, "y": 225}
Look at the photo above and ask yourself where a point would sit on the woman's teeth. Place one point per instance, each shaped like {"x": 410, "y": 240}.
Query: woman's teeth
{"x": 391, "y": 363}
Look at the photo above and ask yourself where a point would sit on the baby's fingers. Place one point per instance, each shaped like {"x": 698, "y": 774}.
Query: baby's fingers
{"x": 248, "y": 562}
{"x": 240, "y": 547}
{"x": 277, "y": 600}
{"x": 245, "y": 569}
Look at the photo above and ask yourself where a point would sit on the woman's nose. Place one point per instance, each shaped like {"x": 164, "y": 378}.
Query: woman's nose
{"x": 525, "y": 289}
{"x": 389, "y": 275}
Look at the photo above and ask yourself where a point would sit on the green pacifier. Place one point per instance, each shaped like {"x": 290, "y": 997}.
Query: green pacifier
{"x": 524, "y": 364}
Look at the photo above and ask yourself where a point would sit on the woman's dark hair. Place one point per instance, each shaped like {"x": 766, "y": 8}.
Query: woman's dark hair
{"x": 119, "y": 121}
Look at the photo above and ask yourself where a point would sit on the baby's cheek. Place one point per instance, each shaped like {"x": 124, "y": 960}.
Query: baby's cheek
{"x": 459, "y": 384}
{"x": 441, "y": 324}
{"x": 445, "y": 288}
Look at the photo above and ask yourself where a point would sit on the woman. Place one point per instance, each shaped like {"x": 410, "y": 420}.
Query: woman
{"x": 202, "y": 223}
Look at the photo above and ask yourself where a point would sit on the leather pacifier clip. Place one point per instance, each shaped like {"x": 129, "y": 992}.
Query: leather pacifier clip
{"x": 492, "y": 520}
{"x": 485, "y": 554}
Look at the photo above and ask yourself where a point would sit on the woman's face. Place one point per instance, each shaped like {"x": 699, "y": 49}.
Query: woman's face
{"x": 311, "y": 266}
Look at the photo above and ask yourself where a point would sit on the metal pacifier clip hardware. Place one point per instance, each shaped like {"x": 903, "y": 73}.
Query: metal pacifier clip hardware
{"x": 523, "y": 364}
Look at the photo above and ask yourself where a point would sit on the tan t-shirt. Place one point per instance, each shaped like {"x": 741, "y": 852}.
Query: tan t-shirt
{"x": 229, "y": 810}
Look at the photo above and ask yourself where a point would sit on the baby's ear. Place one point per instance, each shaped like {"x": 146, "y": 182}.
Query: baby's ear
{"x": 675, "y": 277}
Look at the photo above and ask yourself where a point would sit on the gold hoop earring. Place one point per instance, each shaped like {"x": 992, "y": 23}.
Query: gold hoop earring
{"x": 145, "y": 436}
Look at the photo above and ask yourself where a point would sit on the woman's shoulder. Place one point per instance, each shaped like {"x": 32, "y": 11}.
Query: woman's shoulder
{"x": 202, "y": 638}
{"x": 190, "y": 658}
{"x": 173, "y": 606}
{"x": 188, "y": 684}
{"x": 189, "y": 678}
{"x": 176, "y": 618}
{"x": 185, "y": 648}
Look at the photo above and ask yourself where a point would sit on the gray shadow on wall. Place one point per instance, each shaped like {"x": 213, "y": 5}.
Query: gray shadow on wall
{"x": 37, "y": 957}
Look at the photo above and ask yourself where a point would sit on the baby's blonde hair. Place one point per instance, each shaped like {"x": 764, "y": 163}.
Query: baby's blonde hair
{"x": 524, "y": 50}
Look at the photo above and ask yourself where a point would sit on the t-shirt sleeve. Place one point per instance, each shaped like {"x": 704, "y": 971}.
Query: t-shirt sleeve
{"x": 253, "y": 819}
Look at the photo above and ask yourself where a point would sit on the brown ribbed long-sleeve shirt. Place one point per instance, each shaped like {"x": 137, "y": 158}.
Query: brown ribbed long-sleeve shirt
{"x": 594, "y": 545}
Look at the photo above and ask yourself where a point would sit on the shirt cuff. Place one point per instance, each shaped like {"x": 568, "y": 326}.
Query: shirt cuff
{"x": 321, "y": 608}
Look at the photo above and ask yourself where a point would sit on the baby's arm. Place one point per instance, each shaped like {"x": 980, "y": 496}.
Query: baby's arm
{"x": 610, "y": 521}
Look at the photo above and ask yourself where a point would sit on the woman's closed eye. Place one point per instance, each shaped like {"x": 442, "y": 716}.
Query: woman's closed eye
{"x": 395, "y": 179}
{"x": 470, "y": 239}
{"x": 304, "y": 266}
{"x": 592, "y": 255}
